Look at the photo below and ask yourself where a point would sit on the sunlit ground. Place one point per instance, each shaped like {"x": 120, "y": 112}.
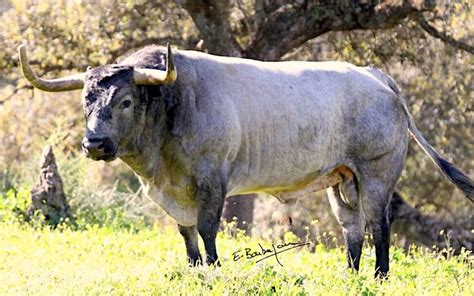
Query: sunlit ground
{"x": 106, "y": 261}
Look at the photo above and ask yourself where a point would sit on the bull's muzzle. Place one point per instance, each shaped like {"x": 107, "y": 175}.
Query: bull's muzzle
{"x": 99, "y": 148}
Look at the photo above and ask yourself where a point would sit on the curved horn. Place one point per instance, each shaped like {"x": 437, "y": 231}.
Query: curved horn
{"x": 71, "y": 82}
{"x": 153, "y": 76}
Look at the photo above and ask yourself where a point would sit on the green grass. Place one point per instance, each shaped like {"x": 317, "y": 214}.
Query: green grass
{"x": 106, "y": 261}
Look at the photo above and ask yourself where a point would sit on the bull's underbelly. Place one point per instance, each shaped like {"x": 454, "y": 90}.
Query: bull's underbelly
{"x": 179, "y": 201}
{"x": 287, "y": 191}
{"x": 309, "y": 186}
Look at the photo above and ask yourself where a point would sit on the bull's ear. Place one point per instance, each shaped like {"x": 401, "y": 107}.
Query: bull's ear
{"x": 71, "y": 82}
{"x": 143, "y": 76}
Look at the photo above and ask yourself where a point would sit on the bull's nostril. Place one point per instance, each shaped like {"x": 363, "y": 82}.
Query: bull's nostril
{"x": 98, "y": 148}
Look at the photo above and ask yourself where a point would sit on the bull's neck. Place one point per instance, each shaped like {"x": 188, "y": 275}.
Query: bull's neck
{"x": 146, "y": 159}
{"x": 144, "y": 166}
{"x": 155, "y": 145}
{"x": 159, "y": 162}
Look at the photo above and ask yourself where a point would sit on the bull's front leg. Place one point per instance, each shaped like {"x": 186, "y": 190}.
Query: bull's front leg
{"x": 190, "y": 236}
{"x": 210, "y": 201}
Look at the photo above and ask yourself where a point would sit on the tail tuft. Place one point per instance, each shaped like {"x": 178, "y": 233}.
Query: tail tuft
{"x": 463, "y": 182}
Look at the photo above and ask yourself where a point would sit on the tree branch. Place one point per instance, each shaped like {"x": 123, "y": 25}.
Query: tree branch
{"x": 442, "y": 35}
{"x": 293, "y": 24}
{"x": 14, "y": 92}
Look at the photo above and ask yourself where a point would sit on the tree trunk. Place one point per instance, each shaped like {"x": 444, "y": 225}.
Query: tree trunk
{"x": 240, "y": 207}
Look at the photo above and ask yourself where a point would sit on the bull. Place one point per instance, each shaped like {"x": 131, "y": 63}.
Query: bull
{"x": 197, "y": 128}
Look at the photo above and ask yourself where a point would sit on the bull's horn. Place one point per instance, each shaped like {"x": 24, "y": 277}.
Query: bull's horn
{"x": 152, "y": 76}
{"x": 71, "y": 82}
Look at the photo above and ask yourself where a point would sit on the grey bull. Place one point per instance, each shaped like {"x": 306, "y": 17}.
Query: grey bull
{"x": 197, "y": 128}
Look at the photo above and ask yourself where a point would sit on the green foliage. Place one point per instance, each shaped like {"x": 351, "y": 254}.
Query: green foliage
{"x": 86, "y": 33}
{"x": 109, "y": 261}
{"x": 93, "y": 204}
{"x": 14, "y": 204}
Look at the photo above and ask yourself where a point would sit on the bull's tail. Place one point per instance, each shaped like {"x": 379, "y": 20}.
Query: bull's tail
{"x": 458, "y": 178}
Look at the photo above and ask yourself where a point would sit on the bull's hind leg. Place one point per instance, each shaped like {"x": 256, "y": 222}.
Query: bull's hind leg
{"x": 343, "y": 199}
{"x": 378, "y": 178}
{"x": 376, "y": 209}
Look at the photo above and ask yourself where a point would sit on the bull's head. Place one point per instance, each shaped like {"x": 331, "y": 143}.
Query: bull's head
{"x": 110, "y": 100}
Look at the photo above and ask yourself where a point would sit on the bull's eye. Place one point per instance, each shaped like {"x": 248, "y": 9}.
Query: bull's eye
{"x": 89, "y": 101}
{"x": 126, "y": 104}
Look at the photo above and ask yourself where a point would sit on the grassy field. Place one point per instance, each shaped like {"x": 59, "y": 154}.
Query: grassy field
{"x": 106, "y": 261}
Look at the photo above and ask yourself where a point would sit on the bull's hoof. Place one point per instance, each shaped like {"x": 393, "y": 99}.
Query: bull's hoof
{"x": 381, "y": 275}
{"x": 213, "y": 262}
{"x": 193, "y": 262}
